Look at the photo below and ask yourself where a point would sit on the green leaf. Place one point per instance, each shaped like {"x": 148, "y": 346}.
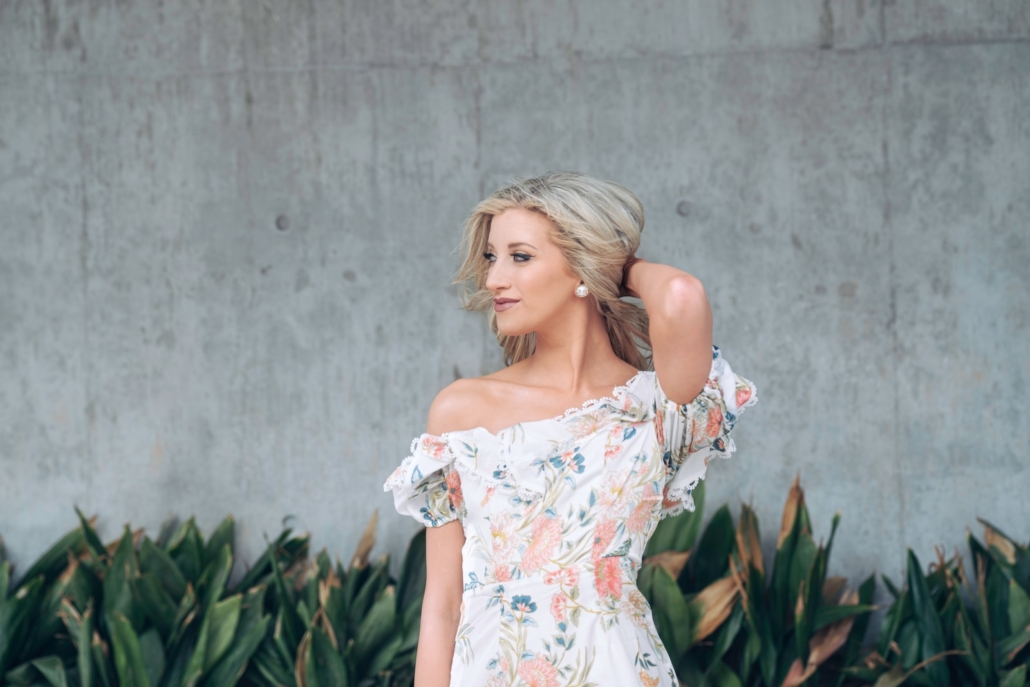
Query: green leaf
{"x": 1014, "y": 678}
{"x": 711, "y": 557}
{"x": 89, "y": 535}
{"x": 292, "y": 628}
{"x": 411, "y": 585}
{"x": 326, "y": 665}
{"x": 728, "y": 632}
{"x": 101, "y": 661}
{"x": 212, "y": 582}
{"x": 929, "y": 626}
{"x": 828, "y": 615}
{"x": 55, "y": 559}
{"x": 157, "y": 562}
{"x": 16, "y": 615}
{"x": 52, "y": 669}
{"x": 376, "y": 626}
{"x": 224, "y": 617}
{"x": 153, "y": 653}
{"x": 117, "y": 590}
{"x": 187, "y": 551}
{"x": 1019, "y": 606}
{"x": 128, "y": 659}
{"x": 156, "y": 604}
{"x": 229, "y": 670}
{"x": 972, "y": 658}
{"x": 672, "y": 617}
{"x": 720, "y": 675}
{"x": 223, "y": 535}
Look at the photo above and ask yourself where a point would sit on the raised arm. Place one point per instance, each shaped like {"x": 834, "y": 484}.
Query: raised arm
{"x": 681, "y": 326}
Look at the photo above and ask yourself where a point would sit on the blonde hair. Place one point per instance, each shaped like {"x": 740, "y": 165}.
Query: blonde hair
{"x": 597, "y": 226}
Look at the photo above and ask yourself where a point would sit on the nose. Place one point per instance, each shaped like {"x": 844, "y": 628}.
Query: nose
{"x": 496, "y": 278}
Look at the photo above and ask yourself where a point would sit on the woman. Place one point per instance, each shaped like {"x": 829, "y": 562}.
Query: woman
{"x": 542, "y": 482}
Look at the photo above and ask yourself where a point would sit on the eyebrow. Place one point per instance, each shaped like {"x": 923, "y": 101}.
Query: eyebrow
{"x": 512, "y": 245}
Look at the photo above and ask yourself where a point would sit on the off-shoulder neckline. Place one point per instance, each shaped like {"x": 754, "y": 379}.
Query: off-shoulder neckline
{"x": 617, "y": 392}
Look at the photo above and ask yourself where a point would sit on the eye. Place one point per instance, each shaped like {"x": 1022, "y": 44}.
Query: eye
{"x": 520, "y": 257}
{"x": 490, "y": 257}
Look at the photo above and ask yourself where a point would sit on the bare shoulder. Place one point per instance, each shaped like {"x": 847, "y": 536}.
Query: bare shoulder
{"x": 459, "y": 405}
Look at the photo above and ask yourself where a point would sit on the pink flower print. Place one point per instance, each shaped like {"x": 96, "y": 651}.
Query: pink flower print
{"x": 714, "y": 422}
{"x": 559, "y": 602}
{"x": 502, "y": 536}
{"x": 497, "y": 681}
{"x": 743, "y": 395}
{"x": 636, "y": 608}
{"x": 546, "y": 535}
{"x": 604, "y": 533}
{"x": 614, "y": 495}
{"x": 538, "y": 672}
{"x": 503, "y": 664}
{"x": 638, "y": 519}
{"x": 568, "y": 577}
{"x": 585, "y": 425}
{"x": 502, "y": 573}
{"x": 648, "y": 681}
{"x": 434, "y": 447}
{"x": 454, "y": 490}
{"x": 608, "y": 577}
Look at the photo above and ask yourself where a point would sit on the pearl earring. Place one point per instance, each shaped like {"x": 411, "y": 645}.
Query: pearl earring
{"x": 582, "y": 291}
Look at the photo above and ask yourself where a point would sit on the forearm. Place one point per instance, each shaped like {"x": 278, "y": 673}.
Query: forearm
{"x": 437, "y": 631}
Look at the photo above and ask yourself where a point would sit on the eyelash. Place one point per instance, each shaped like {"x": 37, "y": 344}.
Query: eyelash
{"x": 519, "y": 257}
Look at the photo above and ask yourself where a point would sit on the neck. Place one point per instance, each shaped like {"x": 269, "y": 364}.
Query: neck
{"x": 574, "y": 354}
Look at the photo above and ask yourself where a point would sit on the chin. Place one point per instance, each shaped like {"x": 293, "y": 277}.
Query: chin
{"x": 512, "y": 328}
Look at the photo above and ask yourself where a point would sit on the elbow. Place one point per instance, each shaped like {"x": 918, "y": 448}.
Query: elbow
{"x": 683, "y": 298}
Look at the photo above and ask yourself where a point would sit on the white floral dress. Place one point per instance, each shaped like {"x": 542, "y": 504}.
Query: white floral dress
{"x": 556, "y": 515}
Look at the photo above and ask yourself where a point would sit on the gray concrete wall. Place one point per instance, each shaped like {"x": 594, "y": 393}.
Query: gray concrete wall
{"x": 227, "y": 232}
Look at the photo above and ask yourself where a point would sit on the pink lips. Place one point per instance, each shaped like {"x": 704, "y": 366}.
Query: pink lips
{"x": 502, "y": 304}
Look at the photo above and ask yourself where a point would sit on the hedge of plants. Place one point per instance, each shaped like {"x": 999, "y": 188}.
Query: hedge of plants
{"x": 163, "y": 613}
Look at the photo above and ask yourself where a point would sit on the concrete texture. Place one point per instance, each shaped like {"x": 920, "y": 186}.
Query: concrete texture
{"x": 228, "y": 234}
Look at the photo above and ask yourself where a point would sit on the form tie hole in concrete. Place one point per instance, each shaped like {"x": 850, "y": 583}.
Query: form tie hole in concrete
{"x": 683, "y": 208}
{"x": 282, "y": 222}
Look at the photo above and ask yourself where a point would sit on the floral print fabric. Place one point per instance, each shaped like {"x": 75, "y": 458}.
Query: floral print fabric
{"x": 556, "y": 514}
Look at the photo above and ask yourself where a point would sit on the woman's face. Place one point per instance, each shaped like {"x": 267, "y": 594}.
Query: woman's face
{"x": 530, "y": 281}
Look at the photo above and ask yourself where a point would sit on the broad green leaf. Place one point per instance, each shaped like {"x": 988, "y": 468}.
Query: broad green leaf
{"x": 153, "y": 653}
{"x": 52, "y": 669}
{"x": 376, "y": 626}
{"x": 55, "y": 559}
{"x": 1014, "y": 678}
{"x": 155, "y": 561}
{"x": 117, "y": 590}
{"x": 128, "y": 659}
{"x": 720, "y": 675}
{"x": 90, "y": 537}
{"x": 925, "y": 614}
{"x": 212, "y": 581}
{"x": 224, "y": 617}
{"x": 328, "y": 666}
{"x": 711, "y": 558}
{"x": 1019, "y": 607}
{"x": 671, "y": 614}
{"x": 223, "y": 535}
{"x": 16, "y": 615}
{"x": 102, "y": 661}
{"x": 412, "y": 582}
{"x": 229, "y": 670}
{"x": 156, "y": 604}
{"x": 289, "y": 626}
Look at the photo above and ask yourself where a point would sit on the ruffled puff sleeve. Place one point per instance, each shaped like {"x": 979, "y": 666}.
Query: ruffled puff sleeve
{"x": 692, "y": 433}
{"x": 425, "y": 485}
